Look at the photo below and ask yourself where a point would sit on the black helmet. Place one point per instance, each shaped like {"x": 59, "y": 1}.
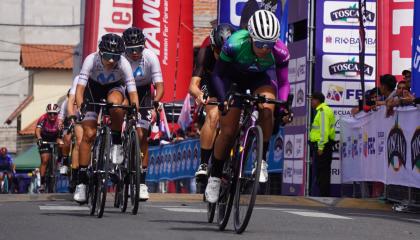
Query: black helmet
{"x": 133, "y": 36}
{"x": 111, "y": 43}
{"x": 220, "y": 34}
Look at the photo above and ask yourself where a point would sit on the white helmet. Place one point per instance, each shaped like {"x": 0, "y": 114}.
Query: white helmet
{"x": 52, "y": 108}
{"x": 264, "y": 26}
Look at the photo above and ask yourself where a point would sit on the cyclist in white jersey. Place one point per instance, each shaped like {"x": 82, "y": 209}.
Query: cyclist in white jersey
{"x": 146, "y": 71}
{"x": 71, "y": 116}
{"x": 103, "y": 76}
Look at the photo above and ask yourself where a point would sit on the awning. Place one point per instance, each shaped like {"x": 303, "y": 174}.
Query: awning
{"x": 28, "y": 160}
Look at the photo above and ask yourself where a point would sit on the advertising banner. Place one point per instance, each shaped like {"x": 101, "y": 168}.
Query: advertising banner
{"x": 337, "y": 68}
{"x": 238, "y": 12}
{"x": 181, "y": 160}
{"x": 104, "y": 16}
{"x": 168, "y": 26}
{"x": 415, "y": 82}
{"x": 395, "y": 32}
{"x": 295, "y": 138}
{"x": 388, "y": 152}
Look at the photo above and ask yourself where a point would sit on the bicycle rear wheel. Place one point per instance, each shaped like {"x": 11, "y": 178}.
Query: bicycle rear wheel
{"x": 247, "y": 183}
{"x": 102, "y": 173}
{"x": 134, "y": 170}
{"x": 227, "y": 189}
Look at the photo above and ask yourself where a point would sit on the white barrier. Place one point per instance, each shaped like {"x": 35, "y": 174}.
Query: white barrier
{"x": 376, "y": 148}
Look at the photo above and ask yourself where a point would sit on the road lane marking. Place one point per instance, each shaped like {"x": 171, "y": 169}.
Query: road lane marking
{"x": 63, "y": 208}
{"x": 317, "y": 215}
{"x": 186, "y": 210}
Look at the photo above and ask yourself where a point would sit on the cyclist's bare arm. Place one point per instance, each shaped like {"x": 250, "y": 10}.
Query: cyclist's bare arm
{"x": 38, "y": 133}
{"x": 80, "y": 91}
{"x": 134, "y": 98}
{"x": 71, "y": 105}
{"x": 159, "y": 91}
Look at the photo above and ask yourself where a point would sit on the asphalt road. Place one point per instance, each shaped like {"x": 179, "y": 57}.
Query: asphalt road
{"x": 63, "y": 219}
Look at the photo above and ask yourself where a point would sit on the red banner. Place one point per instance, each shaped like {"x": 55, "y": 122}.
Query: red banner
{"x": 105, "y": 16}
{"x": 168, "y": 28}
{"x": 395, "y": 31}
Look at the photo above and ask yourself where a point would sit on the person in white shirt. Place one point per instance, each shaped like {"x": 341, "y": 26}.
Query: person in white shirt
{"x": 147, "y": 72}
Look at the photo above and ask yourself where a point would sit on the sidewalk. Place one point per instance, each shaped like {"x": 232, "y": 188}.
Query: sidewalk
{"x": 350, "y": 203}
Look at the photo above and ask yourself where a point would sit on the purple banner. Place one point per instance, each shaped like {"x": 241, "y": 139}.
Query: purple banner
{"x": 295, "y": 133}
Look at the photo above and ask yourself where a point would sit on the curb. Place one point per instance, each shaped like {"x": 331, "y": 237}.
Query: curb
{"x": 344, "y": 203}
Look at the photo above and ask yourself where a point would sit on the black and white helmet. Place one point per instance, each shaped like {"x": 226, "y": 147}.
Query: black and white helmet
{"x": 220, "y": 34}
{"x": 52, "y": 108}
{"x": 264, "y": 26}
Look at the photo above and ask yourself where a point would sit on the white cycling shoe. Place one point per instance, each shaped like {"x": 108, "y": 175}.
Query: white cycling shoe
{"x": 80, "y": 193}
{"x": 144, "y": 193}
{"x": 212, "y": 189}
{"x": 263, "y": 172}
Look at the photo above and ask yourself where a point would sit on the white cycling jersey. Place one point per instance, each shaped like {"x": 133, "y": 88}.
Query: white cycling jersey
{"x": 146, "y": 70}
{"x": 94, "y": 69}
{"x": 74, "y": 86}
{"x": 63, "y": 111}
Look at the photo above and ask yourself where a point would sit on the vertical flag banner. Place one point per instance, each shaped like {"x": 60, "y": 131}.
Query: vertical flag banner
{"x": 104, "y": 16}
{"x": 395, "y": 32}
{"x": 168, "y": 26}
{"x": 415, "y": 75}
{"x": 185, "y": 118}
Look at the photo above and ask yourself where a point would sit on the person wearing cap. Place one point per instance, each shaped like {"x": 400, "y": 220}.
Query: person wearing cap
{"x": 322, "y": 138}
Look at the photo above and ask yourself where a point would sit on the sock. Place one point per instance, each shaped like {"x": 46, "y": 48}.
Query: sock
{"x": 75, "y": 174}
{"x": 216, "y": 167}
{"x": 143, "y": 176}
{"x": 205, "y": 155}
{"x": 116, "y": 137}
{"x": 43, "y": 180}
{"x": 65, "y": 160}
{"x": 83, "y": 177}
{"x": 265, "y": 148}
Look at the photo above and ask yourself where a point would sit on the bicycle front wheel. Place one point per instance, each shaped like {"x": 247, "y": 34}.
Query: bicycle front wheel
{"x": 134, "y": 170}
{"x": 227, "y": 188}
{"x": 248, "y": 179}
{"x": 102, "y": 172}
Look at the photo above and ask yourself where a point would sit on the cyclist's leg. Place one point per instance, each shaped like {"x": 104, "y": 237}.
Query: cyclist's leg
{"x": 78, "y": 131}
{"x": 45, "y": 158}
{"x": 115, "y": 96}
{"x": 229, "y": 125}
{"x": 207, "y": 136}
{"x": 65, "y": 151}
{"x": 266, "y": 122}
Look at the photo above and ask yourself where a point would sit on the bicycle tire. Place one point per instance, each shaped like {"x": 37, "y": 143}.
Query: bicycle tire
{"x": 125, "y": 187}
{"x": 227, "y": 190}
{"x": 211, "y": 210}
{"x": 92, "y": 185}
{"x": 50, "y": 176}
{"x": 102, "y": 179}
{"x": 134, "y": 170}
{"x": 243, "y": 212}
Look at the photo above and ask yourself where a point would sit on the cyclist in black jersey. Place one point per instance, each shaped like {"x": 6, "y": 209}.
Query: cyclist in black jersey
{"x": 203, "y": 92}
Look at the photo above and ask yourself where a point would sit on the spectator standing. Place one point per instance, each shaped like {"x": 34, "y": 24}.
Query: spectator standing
{"x": 322, "y": 138}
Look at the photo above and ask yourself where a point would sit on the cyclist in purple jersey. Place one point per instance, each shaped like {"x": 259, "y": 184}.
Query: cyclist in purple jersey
{"x": 253, "y": 59}
{"x": 47, "y": 130}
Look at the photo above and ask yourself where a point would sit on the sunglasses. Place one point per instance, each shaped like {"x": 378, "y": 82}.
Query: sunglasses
{"x": 137, "y": 49}
{"x": 262, "y": 44}
{"x": 108, "y": 56}
{"x": 52, "y": 114}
